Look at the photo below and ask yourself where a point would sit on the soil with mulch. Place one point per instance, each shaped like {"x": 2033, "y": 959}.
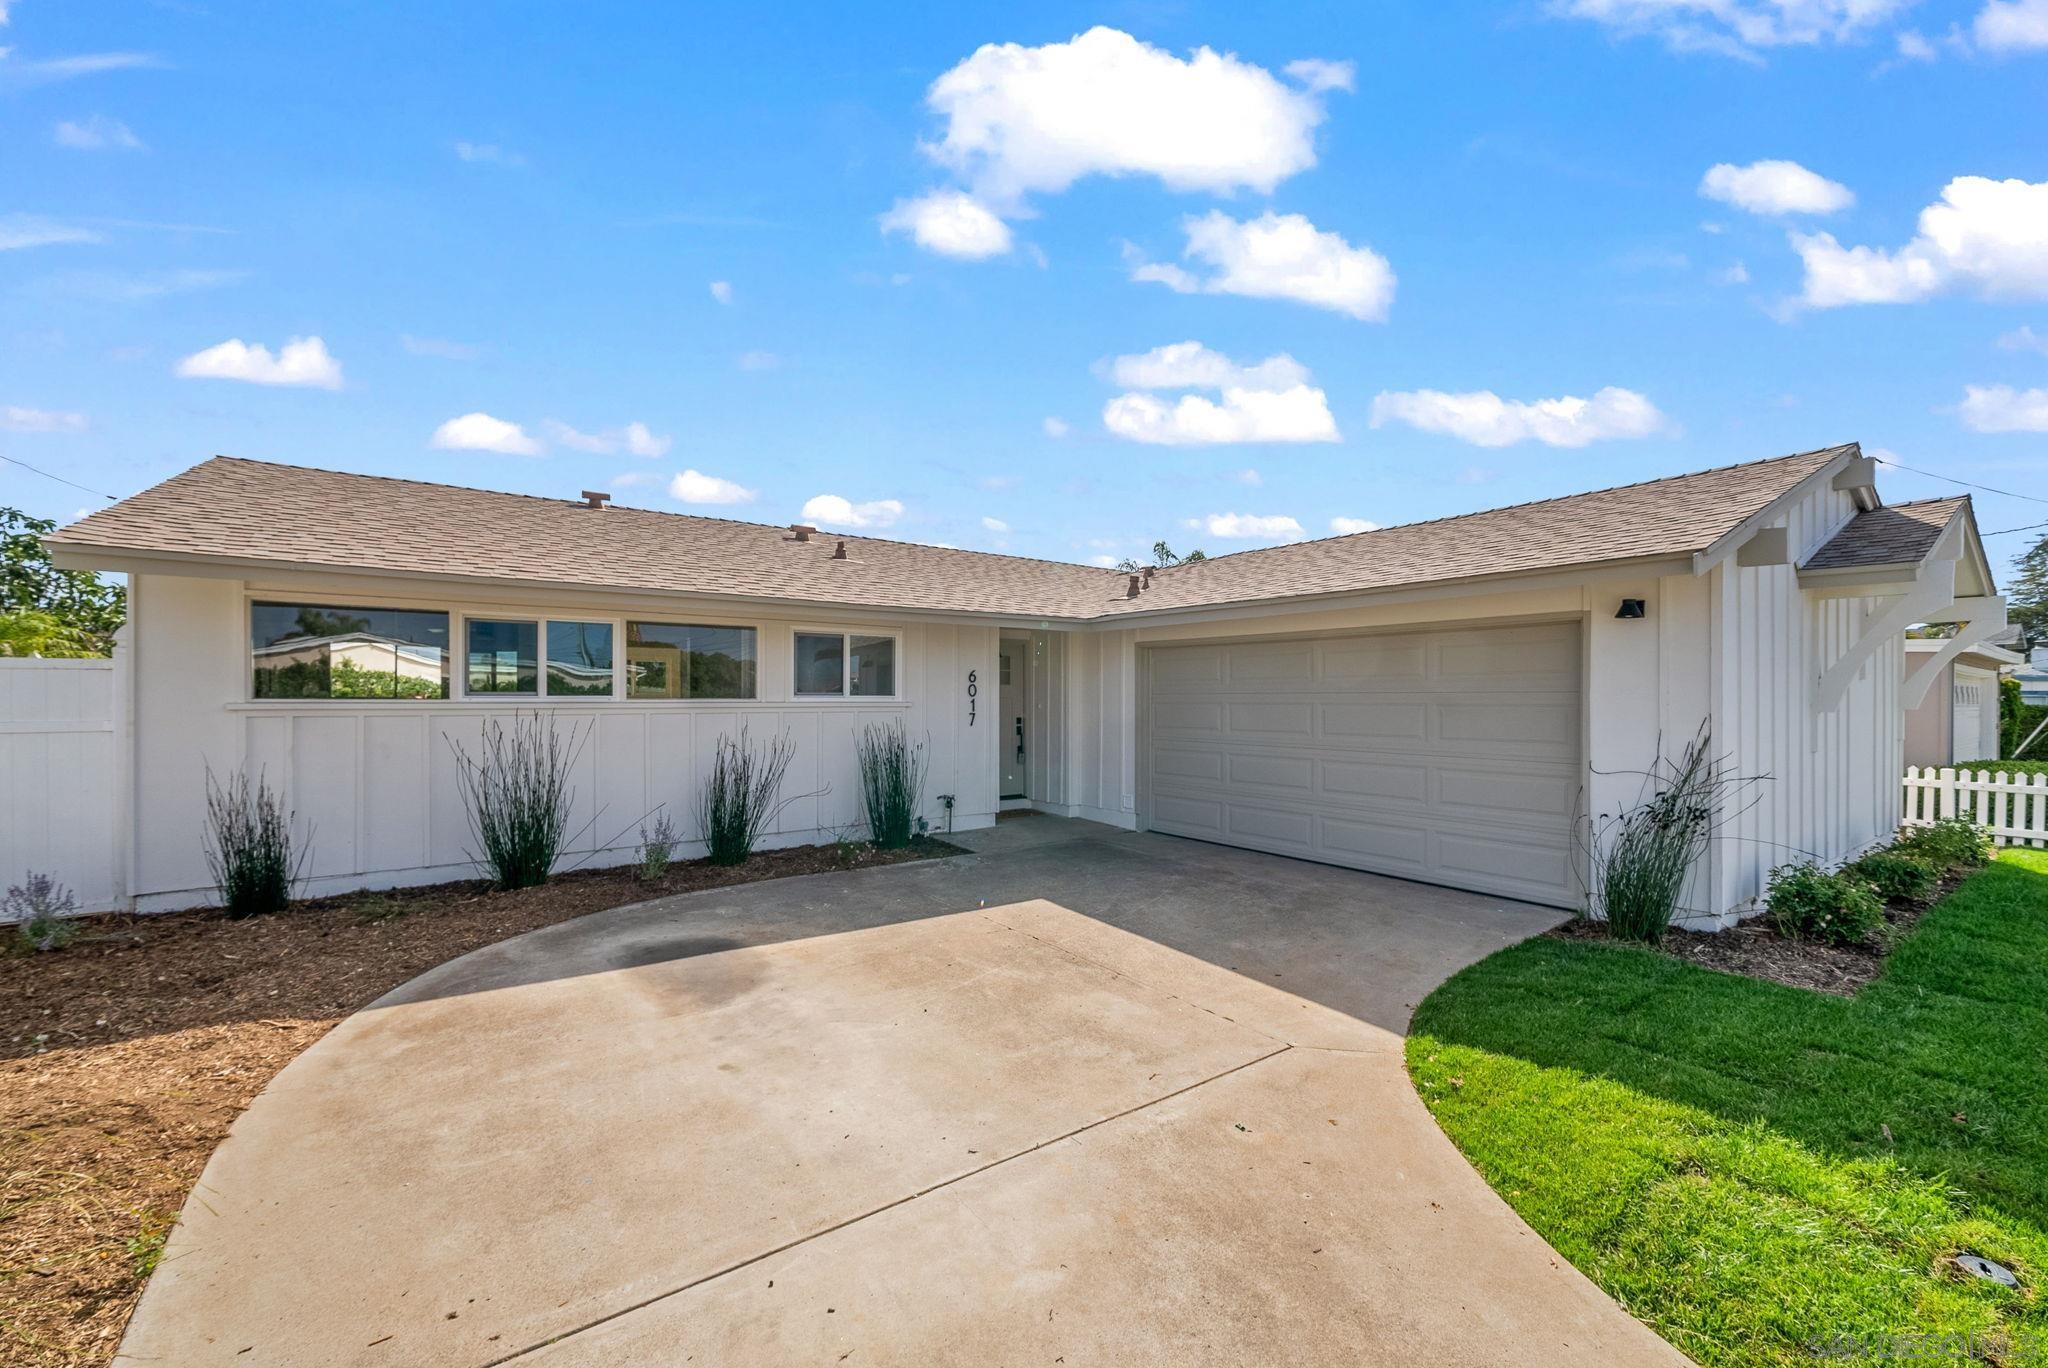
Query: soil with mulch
{"x": 1756, "y": 949}
{"x": 125, "y": 1057}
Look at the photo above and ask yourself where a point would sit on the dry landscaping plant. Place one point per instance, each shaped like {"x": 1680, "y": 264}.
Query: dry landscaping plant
{"x": 38, "y": 908}
{"x": 739, "y": 796}
{"x": 249, "y": 845}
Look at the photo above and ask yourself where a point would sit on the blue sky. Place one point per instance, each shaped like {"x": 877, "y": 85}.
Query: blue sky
{"x": 1409, "y": 260}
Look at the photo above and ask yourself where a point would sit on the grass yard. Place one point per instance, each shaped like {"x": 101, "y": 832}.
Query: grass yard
{"x": 1755, "y": 1170}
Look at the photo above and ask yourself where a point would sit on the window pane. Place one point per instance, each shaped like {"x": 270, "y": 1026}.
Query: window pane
{"x": 504, "y": 657}
{"x": 874, "y": 666}
{"x": 666, "y": 660}
{"x": 579, "y": 659}
{"x": 820, "y": 664}
{"x": 316, "y": 651}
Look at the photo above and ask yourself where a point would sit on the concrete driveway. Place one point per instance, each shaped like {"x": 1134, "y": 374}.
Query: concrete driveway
{"x": 1082, "y": 1097}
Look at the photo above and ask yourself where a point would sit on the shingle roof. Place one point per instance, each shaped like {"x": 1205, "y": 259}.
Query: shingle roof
{"x": 1897, "y": 534}
{"x": 255, "y": 511}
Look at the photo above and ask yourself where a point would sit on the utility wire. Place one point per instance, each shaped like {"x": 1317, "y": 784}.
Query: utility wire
{"x": 2008, "y": 530}
{"x": 58, "y": 478}
{"x": 1988, "y": 489}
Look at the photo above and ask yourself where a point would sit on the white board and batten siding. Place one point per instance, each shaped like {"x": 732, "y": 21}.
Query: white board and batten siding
{"x": 60, "y": 782}
{"x": 1449, "y": 756}
{"x": 375, "y": 789}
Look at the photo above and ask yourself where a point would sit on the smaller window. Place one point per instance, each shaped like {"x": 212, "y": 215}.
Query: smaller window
{"x": 839, "y": 665}
{"x": 504, "y": 657}
{"x": 579, "y": 660}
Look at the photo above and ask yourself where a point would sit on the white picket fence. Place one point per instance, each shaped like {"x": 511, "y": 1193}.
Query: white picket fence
{"x": 2012, "y": 807}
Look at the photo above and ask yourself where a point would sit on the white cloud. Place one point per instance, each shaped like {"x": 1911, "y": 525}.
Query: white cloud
{"x": 489, "y": 154}
{"x": 1190, "y": 365}
{"x": 1736, "y": 28}
{"x": 96, "y": 134}
{"x": 481, "y": 432}
{"x": 695, "y": 487}
{"x": 2024, "y": 338}
{"x": 996, "y": 525}
{"x": 758, "y": 361}
{"x": 1106, "y": 562}
{"x": 439, "y": 347}
{"x": 18, "y": 231}
{"x": 635, "y": 439}
{"x": 2012, "y": 26}
{"x": 2001, "y": 408}
{"x": 1738, "y": 274}
{"x": 1914, "y": 47}
{"x": 13, "y": 419}
{"x": 1319, "y": 74}
{"x": 830, "y": 510}
{"x": 1345, "y": 527}
{"x": 300, "y": 361}
{"x": 721, "y": 290}
{"x": 1021, "y": 120}
{"x": 1485, "y": 419}
{"x": 1248, "y": 526}
{"x": 950, "y": 223}
{"x": 1249, "y": 477}
{"x": 1984, "y": 237}
{"x": 1775, "y": 187}
{"x": 22, "y": 75}
{"x": 1055, "y": 428}
{"x": 1279, "y": 256}
{"x": 114, "y": 288}
{"x": 1300, "y": 414}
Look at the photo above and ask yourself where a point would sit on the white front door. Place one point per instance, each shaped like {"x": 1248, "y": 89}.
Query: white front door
{"x": 1011, "y": 710}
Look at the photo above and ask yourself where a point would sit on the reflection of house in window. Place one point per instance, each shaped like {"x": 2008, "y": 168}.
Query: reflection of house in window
{"x": 664, "y": 660}
{"x": 354, "y": 665}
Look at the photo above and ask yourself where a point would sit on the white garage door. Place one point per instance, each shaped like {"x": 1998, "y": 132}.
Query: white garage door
{"x": 1446, "y": 756}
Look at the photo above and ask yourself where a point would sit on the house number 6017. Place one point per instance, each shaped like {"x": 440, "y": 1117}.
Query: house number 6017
{"x": 973, "y": 688}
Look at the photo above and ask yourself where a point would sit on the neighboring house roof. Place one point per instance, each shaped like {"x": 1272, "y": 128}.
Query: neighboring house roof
{"x": 1898, "y": 534}
{"x": 254, "y": 513}
{"x": 1983, "y": 655}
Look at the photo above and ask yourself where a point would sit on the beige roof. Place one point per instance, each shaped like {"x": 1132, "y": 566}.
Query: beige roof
{"x": 1897, "y": 534}
{"x": 244, "y": 512}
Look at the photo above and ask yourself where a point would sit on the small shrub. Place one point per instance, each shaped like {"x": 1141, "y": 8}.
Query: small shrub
{"x": 1895, "y": 876}
{"x": 1810, "y": 903}
{"x": 517, "y": 794}
{"x": 658, "y": 847}
{"x": 739, "y": 796}
{"x": 38, "y": 908}
{"x": 1641, "y": 857}
{"x": 249, "y": 846}
{"x": 1953, "y": 843}
{"x": 892, "y": 774}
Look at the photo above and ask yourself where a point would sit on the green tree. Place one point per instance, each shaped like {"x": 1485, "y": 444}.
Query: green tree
{"x": 1162, "y": 557}
{"x": 77, "y": 600}
{"x": 2027, "y": 596}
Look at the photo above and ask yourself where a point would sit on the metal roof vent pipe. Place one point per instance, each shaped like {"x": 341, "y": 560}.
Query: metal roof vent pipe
{"x": 1131, "y": 590}
{"x": 839, "y": 551}
{"x": 1148, "y": 577}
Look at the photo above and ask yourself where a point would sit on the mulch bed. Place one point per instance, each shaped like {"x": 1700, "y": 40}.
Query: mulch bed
{"x": 124, "y": 1059}
{"x": 1755, "y": 949}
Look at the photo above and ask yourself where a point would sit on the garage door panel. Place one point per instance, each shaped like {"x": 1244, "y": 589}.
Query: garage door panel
{"x": 1447, "y": 756}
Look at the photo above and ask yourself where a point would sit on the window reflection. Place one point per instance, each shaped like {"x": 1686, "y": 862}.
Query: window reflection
{"x": 504, "y": 657}
{"x": 305, "y": 650}
{"x": 579, "y": 659}
{"x": 820, "y": 664}
{"x": 672, "y": 660}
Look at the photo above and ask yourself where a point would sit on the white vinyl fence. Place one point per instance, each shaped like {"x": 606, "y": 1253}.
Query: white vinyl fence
{"x": 2012, "y": 807}
{"x": 59, "y": 777}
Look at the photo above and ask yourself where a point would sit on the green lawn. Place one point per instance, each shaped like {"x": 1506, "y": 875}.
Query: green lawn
{"x": 1749, "y": 1168}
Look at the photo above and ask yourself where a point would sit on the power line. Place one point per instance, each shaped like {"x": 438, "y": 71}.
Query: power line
{"x": 1988, "y": 489}
{"x": 2006, "y": 531}
{"x": 58, "y": 478}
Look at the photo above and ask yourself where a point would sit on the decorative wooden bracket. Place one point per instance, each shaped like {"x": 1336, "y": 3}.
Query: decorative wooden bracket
{"x": 1979, "y": 618}
{"x": 1932, "y": 593}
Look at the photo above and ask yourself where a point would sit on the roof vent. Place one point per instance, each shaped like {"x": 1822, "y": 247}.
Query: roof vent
{"x": 595, "y": 499}
{"x": 1131, "y": 590}
{"x": 839, "y": 551}
{"x": 801, "y": 532}
{"x": 1148, "y": 577}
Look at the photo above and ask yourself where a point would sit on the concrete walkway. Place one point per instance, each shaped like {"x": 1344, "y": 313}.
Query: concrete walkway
{"x": 1081, "y": 1097}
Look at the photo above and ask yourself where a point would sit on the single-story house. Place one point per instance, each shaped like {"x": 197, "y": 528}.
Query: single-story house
{"x": 1452, "y": 701}
{"x": 1957, "y": 721}
{"x": 2033, "y": 677}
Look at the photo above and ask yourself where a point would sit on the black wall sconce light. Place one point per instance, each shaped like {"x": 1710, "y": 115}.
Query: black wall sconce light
{"x": 1630, "y": 608}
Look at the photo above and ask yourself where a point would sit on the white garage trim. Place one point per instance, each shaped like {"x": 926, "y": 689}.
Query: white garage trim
{"x": 1451, "y": 755}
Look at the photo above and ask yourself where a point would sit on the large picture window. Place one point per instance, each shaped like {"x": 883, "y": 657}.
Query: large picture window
{"x": 672, "y": 660}
{"x": 304, "y": 650}
{"x": 845, "y": 665}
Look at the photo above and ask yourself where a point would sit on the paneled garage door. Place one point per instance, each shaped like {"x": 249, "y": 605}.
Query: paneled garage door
{"x": 1448, "y": 756}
